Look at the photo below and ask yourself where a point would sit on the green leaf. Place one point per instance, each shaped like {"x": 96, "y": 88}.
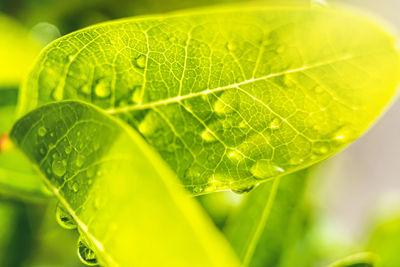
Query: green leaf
{"x": 384, "y": 241}
{"x": 17, "y": 53}
{"x": 362, "y": 259}
{"x": 269, "y": 221}
{"x": 233, "y": 96}
{"x": 124, "y": 199}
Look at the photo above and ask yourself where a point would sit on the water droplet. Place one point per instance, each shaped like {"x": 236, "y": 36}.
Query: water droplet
{"x": 264, "y": 169}
{"x": 79, "y": 160}
{"x": 147, "y": 126}
{"x": 140, "y": 61}
{"x": 243, "y": 190}
{"x": 296, "y": 160}
{"x": 136, "y": 94}
{"x": 63, "y": 218}
{"x": 51, "y": 134}
{"x": 235, "y": 155}
{"x": 85, "y": 89}
{"x": 274, "y": 124}
{"x": 42, "y": 131}
{"x": 75, "y": 187}
{"x": 68, "y": 149}
{"x": 102, "y": 88}
{"x": 230, "y": 46}
{"x": 197, "y": 189}
{"x": 320, "y": 148}
{"x": 71, "y": 57}
{"x": 86, "y": 254}
{"x": 206, "y": 135}
{"x": 58, "y": 167}
{"x": 220, "y": 107}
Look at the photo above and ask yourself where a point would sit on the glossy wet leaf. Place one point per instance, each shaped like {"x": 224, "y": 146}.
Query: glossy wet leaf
{"x": 229, "y": 97}
{"x": 269, "y": 222}
{"x": 126, "y": 202}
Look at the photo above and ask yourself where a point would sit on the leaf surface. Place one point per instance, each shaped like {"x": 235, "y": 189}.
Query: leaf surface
{"x": 269, "y": 221}
{"x": 233, "y": 96}
{"x": 127, "y": 203}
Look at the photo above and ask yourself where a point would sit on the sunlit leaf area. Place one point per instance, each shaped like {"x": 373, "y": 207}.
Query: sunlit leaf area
{"x": 198, "y": 133}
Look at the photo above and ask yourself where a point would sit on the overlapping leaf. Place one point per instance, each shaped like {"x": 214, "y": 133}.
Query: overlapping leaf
{"x": 228, "y": 97}
{"x": 126, "y": 202}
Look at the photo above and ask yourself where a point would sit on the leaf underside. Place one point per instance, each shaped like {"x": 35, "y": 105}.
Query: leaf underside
{"x": 229, "y": 97}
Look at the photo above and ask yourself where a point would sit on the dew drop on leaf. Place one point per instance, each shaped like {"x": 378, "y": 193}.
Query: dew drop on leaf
{"x": 220, "y": 107}
{"x": 136, "y": 94}
{"x": 274, "y": 124}
{"x": 140, "y": 61}
{"x": 42, "y": 131}
{"x": 85, "y": 89}
{"x": 67, "y": 149}
{"x": 263, "y": 169}
{"x": 102, "y": 88}
{"x": 86, "y": 254}
{"x": 296, "y": 160}
{"x": 242, "y": 190}
{"x": 63, "y": 218}
{"x": 230, "y": 46}
{"x": 58, "y": 167}
{"x": 207, "y": 136}
{"x": 79, "y": 160}
{"x": 75, "y": 187}
{"x": 320, "y": 148}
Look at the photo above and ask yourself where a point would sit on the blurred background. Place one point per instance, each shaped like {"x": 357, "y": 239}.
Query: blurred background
{"x": 354, "y": 197}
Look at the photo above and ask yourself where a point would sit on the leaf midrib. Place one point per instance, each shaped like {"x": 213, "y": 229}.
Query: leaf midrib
{"x": 208, "y": 91}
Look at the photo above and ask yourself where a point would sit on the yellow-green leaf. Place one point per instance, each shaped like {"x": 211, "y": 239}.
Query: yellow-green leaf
{"x": 127, "y": 204}
{"x": 229, "y": 96}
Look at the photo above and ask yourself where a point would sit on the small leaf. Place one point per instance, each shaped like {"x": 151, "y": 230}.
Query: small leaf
{"x": 269, "y": 221}
{"x": 362, "y": 259}
{"x": 229, "y": 96}
{"x": 127, "y": 204}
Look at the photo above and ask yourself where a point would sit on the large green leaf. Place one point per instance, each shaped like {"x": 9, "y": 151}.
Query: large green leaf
{"x": 127, "y": 204}
{"x": 228, "y": 97}
{"x": 269, "y": 222}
